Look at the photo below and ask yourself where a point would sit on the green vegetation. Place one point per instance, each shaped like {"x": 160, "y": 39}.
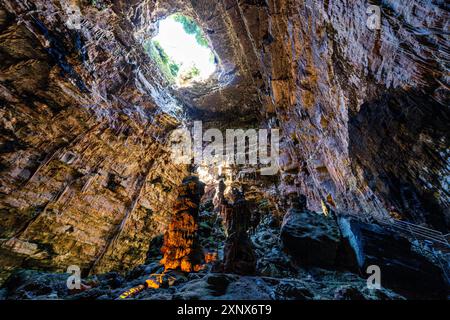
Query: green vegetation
{"x": 174, "y": 69}
{"x": 191, "y": 27}
{"x": 194, "y": 72}
{"x": 157, "y": 53}
{"x": 171, "y": 69}
{"x": 190, "y": 74}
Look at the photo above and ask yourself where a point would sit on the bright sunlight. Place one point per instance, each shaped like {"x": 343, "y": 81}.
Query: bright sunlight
{"x": 182, "y": 51}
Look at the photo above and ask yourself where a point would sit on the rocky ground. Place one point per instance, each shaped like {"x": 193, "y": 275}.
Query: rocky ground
{"x": 283, "y": 272}
{"x": 315, "y": 284}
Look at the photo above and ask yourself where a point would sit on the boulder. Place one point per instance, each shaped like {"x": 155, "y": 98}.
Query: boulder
{"x": 311, "y": 239}
{"x": 402, "y": 269}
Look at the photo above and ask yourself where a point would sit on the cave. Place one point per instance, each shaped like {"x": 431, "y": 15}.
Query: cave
{"x": 184, "y": 150}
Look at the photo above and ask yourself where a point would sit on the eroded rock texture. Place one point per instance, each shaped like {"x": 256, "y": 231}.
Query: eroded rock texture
{"x": 86, "y": 177}
{"x": 363, "y": 111}
{"x": 311, "y": 238}
{"x": 181, "y": 248}
{"x": 404, "y": 270}
{"x": 85, "y": 169}
{"x": 238, "y": 251}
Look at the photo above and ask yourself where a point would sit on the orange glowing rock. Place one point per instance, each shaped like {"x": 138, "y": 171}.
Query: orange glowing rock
{"x": 181, "y": 249}
{"x": 151, "y": 283}
{"x": 154, "y": 282}
{"x": 132, "y": 291}
{"x": 210, "y": 257}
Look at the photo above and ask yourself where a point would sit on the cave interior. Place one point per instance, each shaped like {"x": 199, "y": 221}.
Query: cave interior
{"x": 89, "y": 188}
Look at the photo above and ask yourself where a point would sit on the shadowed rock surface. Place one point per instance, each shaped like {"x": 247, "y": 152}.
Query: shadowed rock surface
{"x": 310, "y": 238}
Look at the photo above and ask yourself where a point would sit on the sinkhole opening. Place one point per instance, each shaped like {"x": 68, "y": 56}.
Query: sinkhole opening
{"x": 181, "y": 51}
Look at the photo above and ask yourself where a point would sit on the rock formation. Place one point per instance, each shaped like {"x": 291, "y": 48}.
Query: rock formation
{"x": 311, "y": 238}
{"x": 406, "y": 270}
{"x": 238, "y": 252}
{"x": 87, "y": 178}
{"x": 181, "y": 247}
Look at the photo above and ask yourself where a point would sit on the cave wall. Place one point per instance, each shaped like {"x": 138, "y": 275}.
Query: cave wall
{"x": 85, "y": 166}
{"x": 363, "y": 112}
{"x": 86, "y": 176}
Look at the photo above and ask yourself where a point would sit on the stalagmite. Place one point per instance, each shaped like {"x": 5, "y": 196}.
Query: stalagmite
{"x": 181, "y": 248}
{"x": 238, "y": 252}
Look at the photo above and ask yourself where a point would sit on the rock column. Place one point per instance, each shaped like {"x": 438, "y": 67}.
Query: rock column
{"x": 181, "y": 249}
{"x": 239, "y": 257}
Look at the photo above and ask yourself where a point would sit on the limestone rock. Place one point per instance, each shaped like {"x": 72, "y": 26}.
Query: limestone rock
{"x": 86, "y": 176}
{"x": 181, "y": 248}
{"x": 312, "y": 239}
{"x": 401, "y": 268}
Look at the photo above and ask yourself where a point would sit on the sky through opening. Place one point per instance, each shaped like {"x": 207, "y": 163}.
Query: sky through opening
{"x": 190, "y": 58}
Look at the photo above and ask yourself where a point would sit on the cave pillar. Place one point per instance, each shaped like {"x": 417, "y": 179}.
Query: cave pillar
{"x": 239, "y": 257}
{"x": 181, "y": 249}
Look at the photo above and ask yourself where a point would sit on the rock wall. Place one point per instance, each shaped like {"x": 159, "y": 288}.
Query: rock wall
{"x": 363, "y": 112}
{"x": 86, "y": 177}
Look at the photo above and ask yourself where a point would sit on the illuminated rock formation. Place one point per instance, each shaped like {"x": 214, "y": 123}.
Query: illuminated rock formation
{"x": 181, "y": 248}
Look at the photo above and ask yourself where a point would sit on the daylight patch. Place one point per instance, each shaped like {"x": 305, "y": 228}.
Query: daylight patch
{"x": 181, "y": 51}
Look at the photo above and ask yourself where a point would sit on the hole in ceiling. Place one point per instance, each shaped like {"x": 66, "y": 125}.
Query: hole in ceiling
{"x": 181, "y": 51}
